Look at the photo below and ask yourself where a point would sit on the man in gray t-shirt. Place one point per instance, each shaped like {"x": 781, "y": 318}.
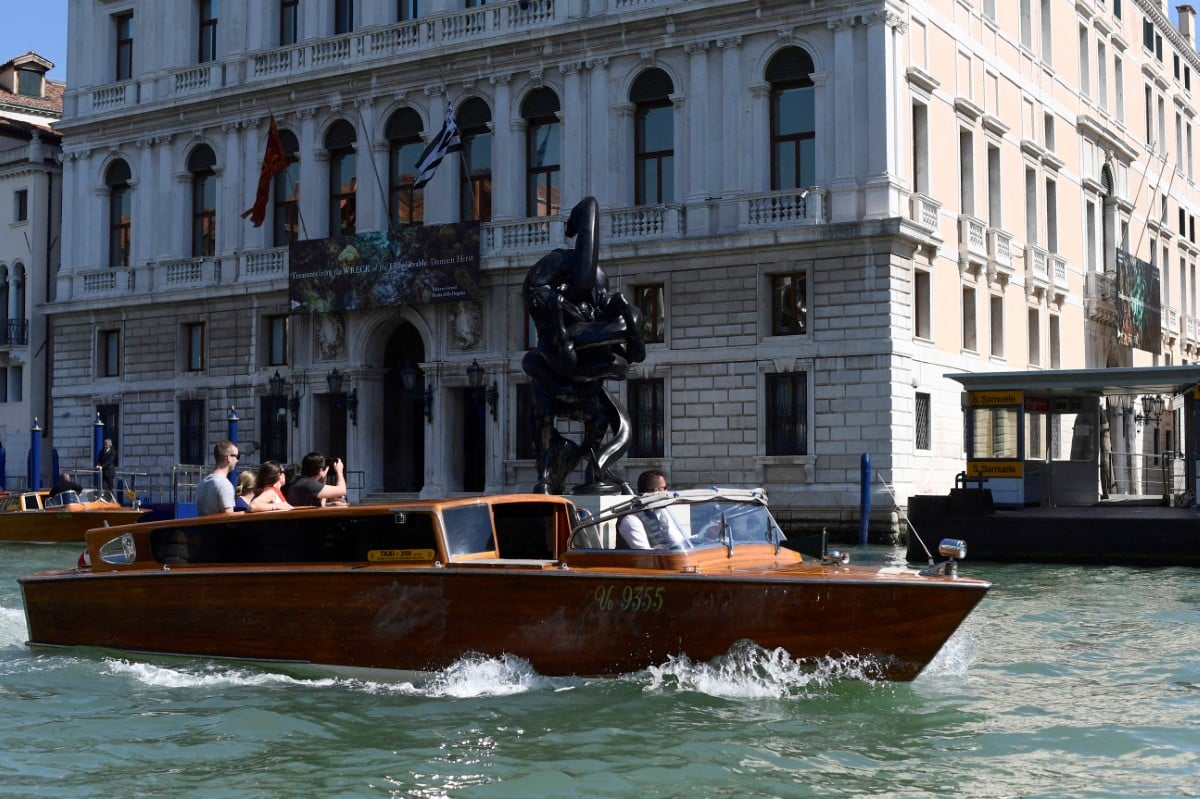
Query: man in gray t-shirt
{"x": 214, "y": 493}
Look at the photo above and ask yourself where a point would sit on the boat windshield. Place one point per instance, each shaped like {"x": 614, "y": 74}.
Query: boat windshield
{"x": 721, "y": 522}
{"x": 703, "y": 522}
{"x": 61, "y": 499}
{"x": 469, "y": 530}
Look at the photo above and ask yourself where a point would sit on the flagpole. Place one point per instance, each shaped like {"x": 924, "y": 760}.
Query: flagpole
{"x": 370, "y": 156}
{"x": 470, "y": 186}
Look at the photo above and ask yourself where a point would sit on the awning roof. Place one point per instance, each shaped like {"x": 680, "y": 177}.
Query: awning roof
{"x": 1164, "y": 380}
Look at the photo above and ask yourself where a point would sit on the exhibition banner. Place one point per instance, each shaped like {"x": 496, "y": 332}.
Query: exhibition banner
{"x": 415, "y": 265}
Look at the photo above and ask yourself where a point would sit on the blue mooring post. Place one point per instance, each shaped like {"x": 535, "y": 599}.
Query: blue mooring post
{"x": 97, "y": 444}
{"x": 233, "y": 420}
{"x": 35, "y": 456}
{"x": 864, "y": 500}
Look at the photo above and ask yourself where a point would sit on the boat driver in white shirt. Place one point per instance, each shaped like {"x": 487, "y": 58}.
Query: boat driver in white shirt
{"x": 651, "y": 529}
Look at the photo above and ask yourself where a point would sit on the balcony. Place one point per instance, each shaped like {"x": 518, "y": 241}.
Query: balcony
{"x": 1000, "y": 260}
{"x": 925, "y": 211}
{"x": 524, "y": 238}
{"x": 435, "y": 35}
{"x": 1100, "y": 299}
{"x": 782, "y": 208}
{"x": 1058, "y": 279}
{"x": 1170, "y": 325}
{"x": 1037, "y": 270}
{"x": 972, "y": 243}
{"x": 14, "y": 332}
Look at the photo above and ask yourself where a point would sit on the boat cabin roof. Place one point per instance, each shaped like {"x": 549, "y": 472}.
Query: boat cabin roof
{"x": 530, "y": 530}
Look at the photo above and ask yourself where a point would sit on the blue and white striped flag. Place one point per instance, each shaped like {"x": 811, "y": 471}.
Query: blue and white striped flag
{"x": 447, "y": 141}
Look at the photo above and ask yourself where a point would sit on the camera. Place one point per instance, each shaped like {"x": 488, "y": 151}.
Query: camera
{"x": 329, "y": 462}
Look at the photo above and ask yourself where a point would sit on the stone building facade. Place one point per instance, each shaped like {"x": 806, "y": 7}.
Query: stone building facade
{"x": 30, "y": 208}
{"x": 822, "y": 208}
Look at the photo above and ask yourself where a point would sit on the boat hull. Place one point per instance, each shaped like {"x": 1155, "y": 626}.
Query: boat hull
{"x": 56, "y": 527}
{"x": 563, "y": 621}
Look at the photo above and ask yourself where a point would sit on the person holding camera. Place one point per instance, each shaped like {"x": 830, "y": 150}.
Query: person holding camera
{"x": 310, "y": 489}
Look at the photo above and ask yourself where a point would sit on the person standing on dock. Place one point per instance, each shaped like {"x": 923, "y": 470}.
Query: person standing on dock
{"x": 106, "y": 462}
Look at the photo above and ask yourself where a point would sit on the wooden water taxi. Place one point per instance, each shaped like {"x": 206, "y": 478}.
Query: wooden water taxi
{"x": 415, "y": 585}
{"x": 35, "y": 516}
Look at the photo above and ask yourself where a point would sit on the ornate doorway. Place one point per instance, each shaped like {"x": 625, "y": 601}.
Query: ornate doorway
{"x": 403, "y": 413}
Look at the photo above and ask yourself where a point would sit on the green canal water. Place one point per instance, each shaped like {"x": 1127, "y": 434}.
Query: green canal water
{"x": 1065, "y": 682}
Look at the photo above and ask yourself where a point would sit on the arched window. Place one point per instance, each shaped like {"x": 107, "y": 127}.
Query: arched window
{"x": 202, "y": 164}
{"x": 286, "y": 193}
{"x": 120, "y": 204}
{"x": 474, "y": 129}
{"x": 343, "y": 178}
{"x": 406, "y": 205}
{"x": 793, "y": 129}
{"x": 543, "y": 153}
{"x": 18, "y": 314}
{"x": 653, "y": 138}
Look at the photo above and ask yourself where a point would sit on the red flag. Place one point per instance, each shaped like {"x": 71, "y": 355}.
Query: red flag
{"x": 274, "y": 162}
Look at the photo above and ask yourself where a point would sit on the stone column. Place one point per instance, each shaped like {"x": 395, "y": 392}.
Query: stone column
{"x": 233, "y": 196}
{"x": 506, "y": 184}
{"x": 595, "y": 131}
{"x": 621, "y": 155}
{"x": 312, "y": 221}
{"x": 572, "y": 116}
{"x": 165, "y": 233}
{"x": 730, "y": 143}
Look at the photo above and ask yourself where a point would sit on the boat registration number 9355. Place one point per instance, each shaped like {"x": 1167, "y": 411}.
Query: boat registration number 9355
{"x": 629, "y": 598}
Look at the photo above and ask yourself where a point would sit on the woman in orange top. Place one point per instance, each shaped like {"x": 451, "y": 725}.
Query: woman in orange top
{"x": 268, "y": 488}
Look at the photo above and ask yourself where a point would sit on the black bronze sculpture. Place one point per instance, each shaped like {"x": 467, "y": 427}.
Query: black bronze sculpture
{"x": 586, "y": 334}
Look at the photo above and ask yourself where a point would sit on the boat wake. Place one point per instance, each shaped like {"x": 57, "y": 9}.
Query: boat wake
{"x": 955, "y": 656}
{"x": 13, "y": 631}
{"x": 748, "y": 671}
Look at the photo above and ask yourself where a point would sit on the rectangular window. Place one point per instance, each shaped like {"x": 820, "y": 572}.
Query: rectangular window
{"x": 1026, "y": 24}
{"x": 969, "y": 340}
{"x": 192, "y": 438}
{"x": 651, "y": 301}
{"x": 343, "y": 16}
{"x": 920, "y": 143}
{"x": 922, "y": 304}
{"x": 1102, "y": 75}
{"x": 1119, "y": 88}
{"x": 124, "y": 49}
{"x": 1051, "y": 216}
{"x": 1047, "y": 27}
{"x": 997, "y": 322}
{"x": 1055, "y": 343}
{"x": 1031, "y": 228}
{"x": 193, "y": 335}
{"x": 647, "y": 418}
{"x": 1035, "y": 337}
{"x": 21, "y": 205}
{"x": 787, "y": 413}
{"x": 29, "y": 83}
{"x": 289, "y": 22}
{"x": 966, "y": 172}
{"x": 923, "y": 421}
{"x": 523, "y": 445}
{"x": 208, "y": 32}
{"x": 995, "y": 184}
{"x": 408, "y": 9}
{"x": 109, "y": 355}
{"x": 277, "y": 340}
{"x": 1085, "y": 68}
{"x": 789, "y": 304}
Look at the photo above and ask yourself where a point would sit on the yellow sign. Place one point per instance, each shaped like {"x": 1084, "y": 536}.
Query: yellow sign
{"x": 377, "y": 555}
{"x": 980, "y": 399}
{"x": 995, "y": 469}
